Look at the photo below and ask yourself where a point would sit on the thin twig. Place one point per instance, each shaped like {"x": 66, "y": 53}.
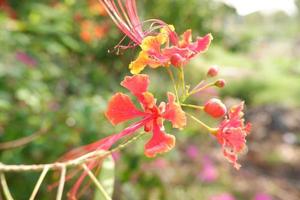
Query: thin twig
{"x": 23, "y": 141}
{"x": 70, "y": 163}
{"x": 97, "y": 183}
{"x": 5, "y": 188}
{"x": 60, "y": 189}
{"x": 38, "y": 184}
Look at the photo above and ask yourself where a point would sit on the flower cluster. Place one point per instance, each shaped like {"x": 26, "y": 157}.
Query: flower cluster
{"x": 162, "y": 47}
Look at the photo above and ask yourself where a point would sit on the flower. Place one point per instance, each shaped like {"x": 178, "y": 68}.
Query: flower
{"x": 224, "y": 196}
{"x": 161, "y": 48}
{"x": 209, "y": 173}
{"x": 232, "y": 133}
{"x": 89, "y": 31}
{"x": 262, "y": 196}
{"x": 215, "y": 108}
{"x": 121, "y": 109}
{"x": 26, "y": 59}
{"x": 154, "y": 55}
{"x": 192, "y": 152}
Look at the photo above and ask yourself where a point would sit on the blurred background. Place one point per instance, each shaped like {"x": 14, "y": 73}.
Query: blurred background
{"x": 58, "y": 69}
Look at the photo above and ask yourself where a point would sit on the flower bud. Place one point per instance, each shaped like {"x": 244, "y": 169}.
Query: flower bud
{"x": 220, "y": 83}
{"x": 213, "y": 71}
{"x": 215, "y": 108}
{"x": 177, "y": 60}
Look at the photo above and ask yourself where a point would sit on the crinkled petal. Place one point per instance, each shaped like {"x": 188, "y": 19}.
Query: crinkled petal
{"x": 186, "y": 38}
{"x": 160, "y": 142}
{"x": 236, "y": 111}
{"x": 137, "y": 84}
{"x": 201, "y": 45}
{"x": 121, "y": 109}
{"x": 153, "y": 43}
{"x": 139, "y": 64}
{"x": 174, "y": 113}
{"x": 232, "y": 134}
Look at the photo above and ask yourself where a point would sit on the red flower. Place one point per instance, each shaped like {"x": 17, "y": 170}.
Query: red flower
{"x": 232, "y": 134}
{"x": 158, "y": 48}
{"x": 121, "y": 109}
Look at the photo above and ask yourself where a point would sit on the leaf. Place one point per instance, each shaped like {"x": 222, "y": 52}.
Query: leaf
{"x": 107, "y": 178}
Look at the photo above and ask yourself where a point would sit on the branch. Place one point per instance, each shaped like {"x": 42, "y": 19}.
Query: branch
{"x": 5, "y": 187}
{"x": 23, "y": 141}
{"x": 70, "y": 163}
{"x": 96, "y": 182}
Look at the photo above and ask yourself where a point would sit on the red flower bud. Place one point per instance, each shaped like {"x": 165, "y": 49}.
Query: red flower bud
{"x": 213, "y": 71}
{"x": 215, "y": 108}
{"x": 220, "y": 83}
{"x": 177, "y": 60}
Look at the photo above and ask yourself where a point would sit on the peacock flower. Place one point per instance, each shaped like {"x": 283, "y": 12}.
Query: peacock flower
{"x": 159, "y": 48}
{"x": 151, "y": 118}
{"x": 121, "y": 109}
{"x": 232, "y": 134}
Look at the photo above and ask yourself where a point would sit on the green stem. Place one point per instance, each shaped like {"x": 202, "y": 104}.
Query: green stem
{"x": 174, "y": 83}
{"x": 183, "y": 82}
{"x": 192, "y": 106}
{"x": 194, "y": 91}
{"x": 211, "y": 130}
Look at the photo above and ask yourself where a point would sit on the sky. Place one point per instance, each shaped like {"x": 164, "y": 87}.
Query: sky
{"x": 245, "y": 7}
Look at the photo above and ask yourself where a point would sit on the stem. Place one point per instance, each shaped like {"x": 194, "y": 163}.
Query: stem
{"x": 174, "y": 83}
{"x": 194, "y": 91}
{"x": 97, "y": 183}
{"x": 23, "y": 141}
{"x": 5, "y": 188}
{"x": 183, "y": 82}
{"x": 211, "y": 130}
{"x": 61, "y": 183}
{"x": 192, "y": 106}
{"x": 70, "y": 163}
{"x": 38, "y": 184}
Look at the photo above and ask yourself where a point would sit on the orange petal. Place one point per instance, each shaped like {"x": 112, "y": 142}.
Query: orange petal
{"x": 139, "y": 64}
{"x": 121, "y": 109}
{"x": 174, "y": 113}
{"x": 159, "y": 143}
{"x": 154, "y": 42}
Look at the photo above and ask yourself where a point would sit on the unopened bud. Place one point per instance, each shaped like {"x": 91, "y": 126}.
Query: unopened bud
{"x": 215, "y": 108}
{"x": 220, "y": 83}
{"x": 177, "y": 60}
{"x": 213, "y": 71}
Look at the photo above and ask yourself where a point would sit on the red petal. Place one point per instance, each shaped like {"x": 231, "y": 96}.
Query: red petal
{"x": 137, "y": 84}
{"x": 160, "y": 142}
{"x": 174, "y": 113}
{"x": 201, "y": 44}
{"x": 103, "y": 144}
{"x": 121, "y": 108}
{"x": 186, "y": 38}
